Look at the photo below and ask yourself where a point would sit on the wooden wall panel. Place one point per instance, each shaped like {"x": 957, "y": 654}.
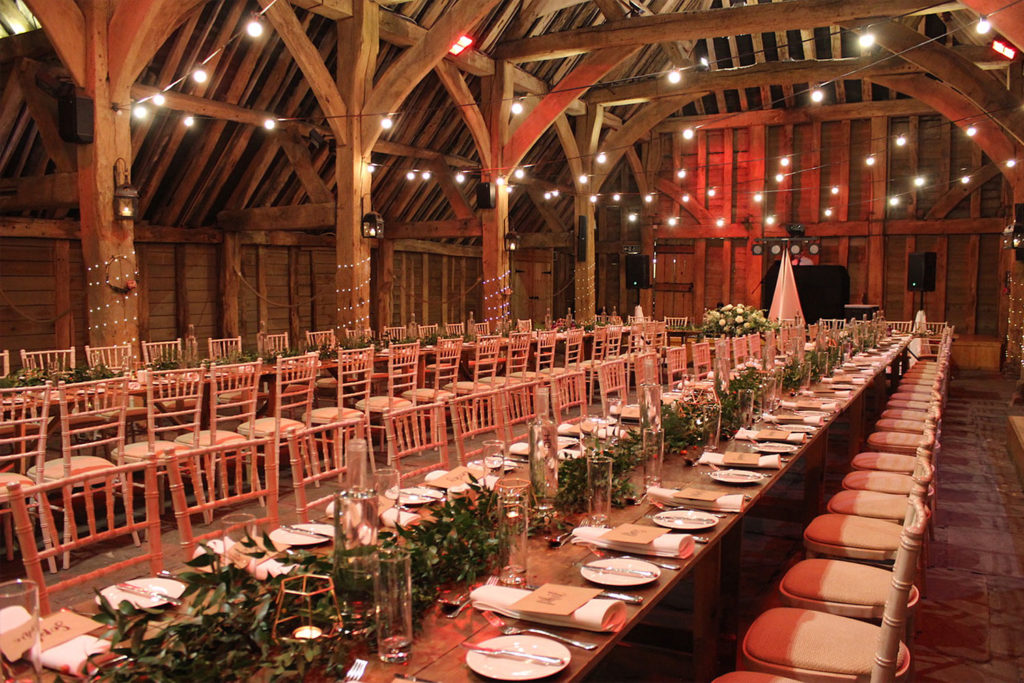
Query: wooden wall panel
{"x": 159, "y": 272}
{"x": 27, "y": 280}
{"x": 248, "y": 306}
{"x": 201, "y": 272}
{"x": 990, "y": 284}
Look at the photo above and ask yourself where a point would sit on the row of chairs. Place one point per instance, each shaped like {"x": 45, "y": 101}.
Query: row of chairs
{"x": 864, "y": 556}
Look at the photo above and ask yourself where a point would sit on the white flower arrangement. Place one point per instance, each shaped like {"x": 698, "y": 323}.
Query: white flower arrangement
{"x": 732, "y": 320}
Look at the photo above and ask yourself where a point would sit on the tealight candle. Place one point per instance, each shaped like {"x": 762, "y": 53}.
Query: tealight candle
{"x": 307, "y": 632}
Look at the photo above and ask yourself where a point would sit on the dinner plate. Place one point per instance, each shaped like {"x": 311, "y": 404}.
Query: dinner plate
{"x": 419, "y": 495}
{"x": 776, "y": 447}
{"x": 115, "y": 595}
{"x": 523, "y": 447}
{"x": 286, "y": 537}
{"x": 479, "y": 465}
{"x": 738, "y": 476}
{"x": 621, "y": 564}
{"x": 511, "y": 669}
{"x": 687, "y": 520}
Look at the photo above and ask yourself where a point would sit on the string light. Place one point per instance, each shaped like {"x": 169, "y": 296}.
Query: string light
{"x": 547, "y": 195}
{"x": 711, "y": 191}
{"x": 616, "y": 197}
{"x": 919, "y": 181}
{"x": 159, "y": 99}
{"x": 784, "y": 162}
{"x": 516, "y": 108}
{"x": 685, "y": 198}
{"x": 828, "y": 212}
{"x": 901, "y": 140}
{"x": 971, "y": 131}
{"x": 965, "y": 179}
{"x": 894, "y": 201}
{"x": 688, "y": 133}
{"x": 681, "y": 173}
{"x": 254, "y": 28}
{"x": 779, "y": 177}
{"x": 370, "y": 168}
{"x": 720, "y": 222}
{"x": 411, "y": 175}
{"x": 835, "y": 189}
{"x": 582, "y": 179}
{"x": 555, "y": 192}
{"x": 601, "y": 158}
{"x": 869, "y": 161}
{"x": 499, "y": 181}
{"x": 758, "y": 197}
{"x": 139, "y": 111}
{"x": 648, "y": 198}
{"x": 199, "y": 76}
{"x": 425, "y": 175}
{"x": 632, "y": 218}
{"x": 270, "y": 124}
{"x": 817, "y": 95}
{"x": 188, "y": 121}
{"x": 386, "y": 122}
{"x": 593, "y": 199}
{"x": 770, "y": 220}
{"x": 674, "y": 76}
{"x": 983, "y": 26}
{"x": 866, "y": 40}
{"x": 460, "y": 177}
{"x": 672, "y": 221}
{"x": 1010, "y": 163}
{"x": 519, "y": 173}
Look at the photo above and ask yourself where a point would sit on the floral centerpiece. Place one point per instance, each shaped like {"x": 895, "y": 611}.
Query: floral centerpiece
{"x": 734, "y": 320}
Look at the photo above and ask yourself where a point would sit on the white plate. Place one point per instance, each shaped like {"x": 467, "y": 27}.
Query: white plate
{"x": 420, "y": 495}
{"x": 511, "y": 669}
{"x": 479, "y": 465}
{"x": 610, "y": 579}
{"x": 688, "y": 520}
{"x": 776, "y": 447}
{"x": 738, "y": 476}
{"x": 285, "y": 537}
{"x": 115, "y": 595}
{"x": 523, "y": 448}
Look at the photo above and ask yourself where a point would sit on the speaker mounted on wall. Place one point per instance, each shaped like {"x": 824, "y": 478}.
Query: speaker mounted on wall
{"x": 485, "y": 197}
{"x": 75, "y": 119}
{"x": 581, "y": 239}
{"x": 921, "y": 271}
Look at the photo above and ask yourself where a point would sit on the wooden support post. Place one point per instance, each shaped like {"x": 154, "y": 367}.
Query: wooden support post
{"x": 973, "y": 252}
{"x": 229, "y": 283}
{"x": 108, "y": 250}
{"x": 700, "y": 250}
{"x": 384, "y": 289}
{"x": 63, "y": 326}
{"x": 494, "y": 222}
{"x": 293, "y": 294}
{"x": 876, "y": 224}
{"x": 181, "y": 312}
{"x": 262, "y": 270}
{"x": 142, "y": 293}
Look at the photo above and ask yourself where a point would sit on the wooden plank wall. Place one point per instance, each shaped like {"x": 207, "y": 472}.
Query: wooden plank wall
{"x": 436, "y": 288}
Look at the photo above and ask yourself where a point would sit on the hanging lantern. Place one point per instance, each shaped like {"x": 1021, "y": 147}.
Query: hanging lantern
{"x": 373, "y": 225}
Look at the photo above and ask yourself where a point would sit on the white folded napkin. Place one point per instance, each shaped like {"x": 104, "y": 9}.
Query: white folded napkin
{"x": 679, "y": 546}
{"x": 393, "y": 517}
{"x": 856, "y": 381}
{"x": 828, "y": 406}
{"x": 768, "y": 462}
{"x": 72, "y": 657}
{"x": 258, "y": 567}
{"x": 519, "y": 448}
{"x": 597, "y": 615}
{"x": 569, "y": 429}
{"x": 731, "y": 502}
{"x": 751, "y": 435}
{"x": 813, "y": 420}
{"x": 489, "y": 482}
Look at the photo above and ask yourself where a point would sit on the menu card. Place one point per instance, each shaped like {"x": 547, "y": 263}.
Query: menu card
{"x": 741, "y": 459}
{"x": 62, "y": 626}
{"x": 772, "y": 435}
{"x": 553, "y": 598}
{"x": 633, "y": 533}
{"x": 691, "y": 493}
{"x": 455, "y": 477}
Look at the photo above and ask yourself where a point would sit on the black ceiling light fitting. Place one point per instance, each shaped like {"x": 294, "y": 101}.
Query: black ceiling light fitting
{"x": 373, "y": 225}
{"x": 796, "y": 230}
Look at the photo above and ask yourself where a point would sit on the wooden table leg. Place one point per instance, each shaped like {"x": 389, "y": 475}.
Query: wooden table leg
{"x": 814, "y": 476}
{"x": 707, "y": 615}
{"x": 855, "y": 414}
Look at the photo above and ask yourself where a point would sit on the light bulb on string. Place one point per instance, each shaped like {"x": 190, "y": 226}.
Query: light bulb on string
{"x": 983, "y": 26}
{"x": 139, "y": 111}
{"x": 199, "y": 76}
{"x": 869, "y": 161}
{"x": 632, "y": 218}
{"x": 770, "y": 220}
{"x": 582, "y": 179}
{"x": 779, "y": 177}
{"x": 189, "y": 121}
{"x": 425, "y": 175}
{"x": 1010, "y": 163}
{"x": 720, "y": 222}
{"x": 828, "y": 213}
{"x": 971, "y": 131}
{"x": 593, "y": 199}
{"x": 685, "y": 198}
{"x": 674, "y": 76}
{"x": 519, "y": 173}
{"x": 159, "y": 99}
{"x": 499, "y": 181}
{"x": 817, "y": 95}
{"x": 688, "y": 133}
{"x": 616, "y": 197}
{"x": 712, "y": 191}
{"x": 516, "y": 108}
{"x": 386, "y": 122}
{"x": 835, "y": 189}
{"x": 784, "y": 162}
{"x": 370, "y": 168}
{"x": 410, "y": 175}
{"x": 601, "y": 158}
{"x": 758, "y": 197}
{"x": 919, "y": 181}
{"x": 254, "y": 28}
{"x": 555, "y": 192}
{"x": 965, "y": 180}
{"x": 672, "y": 221}
{"x": 894, "y": 201}
{"x": 270, "y": 124}
{"x": 901, "y": 140}
{"x": 547, "y": 195}
{"x": 866, "y": 40}
{"x": 460, "y": 177}
{"x": 681, "y": 173}
{"x": 648, "y": 197}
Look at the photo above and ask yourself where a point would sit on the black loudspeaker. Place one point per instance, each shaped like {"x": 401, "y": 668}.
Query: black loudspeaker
{"x": 581, "y": 239}
{"x": 921, "y": 271}
{"x": 74, "y": 119}
{"x": 824, "y": 290}
{"x": 485, "y": 196}
{"x": 638, "y": 271}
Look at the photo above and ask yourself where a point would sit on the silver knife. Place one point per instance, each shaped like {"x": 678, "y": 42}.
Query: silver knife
{"x": 147, "y": 593}
{"x": 607, "y": 595}
{"x": 305, "y": 532}
{"x": 621, "y": 571}
{"x": 541, "y": 659}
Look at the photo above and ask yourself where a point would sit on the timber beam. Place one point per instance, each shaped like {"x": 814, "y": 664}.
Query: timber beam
{"x": 53, "y": 191}
{"x": 676, "y": 26}
{"x": 782, "y": 117}
{"x": 464, "y": 227}
{"x": 299, "y": 217}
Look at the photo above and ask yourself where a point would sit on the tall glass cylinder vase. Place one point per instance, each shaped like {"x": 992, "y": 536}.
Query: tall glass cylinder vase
{"x": 651, "y": 434}
{"x": 514, "y": 498}
{"x": 393, "y": 593}
{"x": 711, "y": 421}
{"x": 544, "y": 460}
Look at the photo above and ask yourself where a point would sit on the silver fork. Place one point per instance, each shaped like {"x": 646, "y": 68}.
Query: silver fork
{"x": 496, "y": 621}
{"x": 491, "y": 581}
{"x": 356, "y": 671}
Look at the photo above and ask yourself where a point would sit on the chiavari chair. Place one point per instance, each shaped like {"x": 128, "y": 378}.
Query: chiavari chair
{"x": 569, "y": 400}
{"x": 117, "y": 358}
{"x": 417, "y": 439}
{"x": 675, "y": 365}
{"x": 224, "y": 348}
{"x": 269, "y": 345}
{"x": 233, "y": 392}
{"x": 701, "y": 360}
{"x": 317, "y": 457}
{"x": 174, "y": 403}
{"x": 519, "y": 409}
{"x": 155, "y": 352}
{"x": 476, "y": 417}
{"x": 50, "y": 360}
{"x": 24, "y": 419}
{"x": 444, "y": 371}
{"x": 355, "y": 372}
{"x": 403, "y": 365}
{"x": 321, "y": 339}
{"x": 455, "y": 329}
{"x": 486, "y": 361}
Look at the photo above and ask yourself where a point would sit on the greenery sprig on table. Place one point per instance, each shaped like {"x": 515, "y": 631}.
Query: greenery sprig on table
{"x": 225, "y": 629}
{"x": 33, "y": 377}
{"x": 572, "y": 476}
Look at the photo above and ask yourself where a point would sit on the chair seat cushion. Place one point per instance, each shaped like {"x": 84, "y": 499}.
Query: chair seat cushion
{"x": 752, "y": 677}
{"x": 140, "y": 449}
{"x": 895, "y": 442}
{"x": 883, "y": 462}
{"x": 211, "y": 438}
{"x": 874, "y": 504}
{"x": 264, "y": 427}
{"x": 850, "y": 583}
{"x": 463, "y": 387}
{"x": 903, "y": 426}
{"x": 912, "y": 396}
{"x": 427, "y": 395}
{"x": 11, "y": 477}
{"x": 882, "y": 482}
{"x": 852, "y": 531}
{"x": 326, "y": 382}
{"x": 814, "y": 641}
{"x": 908, "y": 405}
{"x": 322, "y": 416}
{"x": 496, "y": 381}
{"x": 378, "y": 404}
{"x": 54, "y": 469}
{"x": 904, "y": 414}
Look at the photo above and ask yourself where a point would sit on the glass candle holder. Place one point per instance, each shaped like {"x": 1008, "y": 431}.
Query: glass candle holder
{"x": 307, "y": 608}
{"x": 599, "y": 488}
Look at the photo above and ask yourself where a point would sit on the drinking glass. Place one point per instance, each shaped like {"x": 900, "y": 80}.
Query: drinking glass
{"x": 19, "y": 620}
{"x": 386, "y": 483}
{"x": 599, "y": 488}
{"x": 356, "y": 521}
{"x": 494, "y": 459}
{"x": 393, "y": 591}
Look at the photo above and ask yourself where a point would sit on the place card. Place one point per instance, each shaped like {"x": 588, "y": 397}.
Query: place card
{"x": 16, "y": 640}
{"x": 691, "y": 493}
{"x": 455, "y": 477}
{"x": 62, "y": 626}
{"x": 633, "y": 533}
{"x": 553, "y": 598}
{"x": 741, "y": 459}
